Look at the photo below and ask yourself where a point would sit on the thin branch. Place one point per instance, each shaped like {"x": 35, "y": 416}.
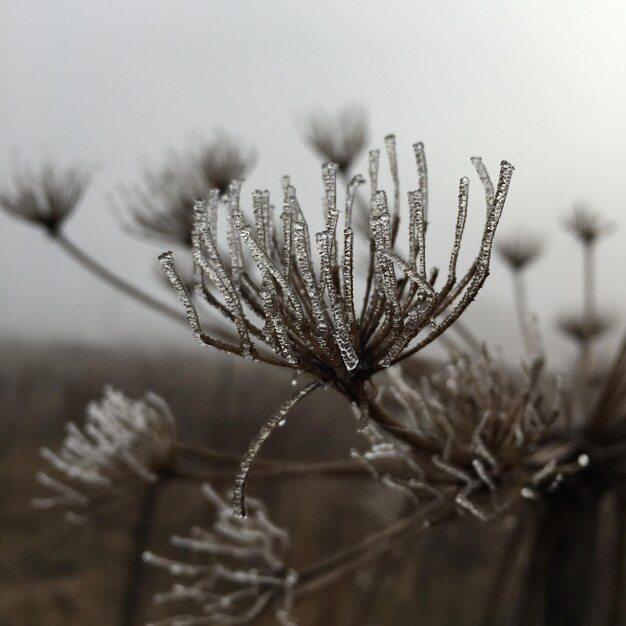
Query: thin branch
{"x": 115, "y": 281}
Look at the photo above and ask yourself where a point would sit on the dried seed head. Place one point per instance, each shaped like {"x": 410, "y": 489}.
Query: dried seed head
{"x": 46, "y": 196}
{"x": 224, "y": 160}
{"x": 476, "y": 426}
{"x": 309, "y": 318}
{"x": 122, "y": 445}
{"x": 161, "y": 207}
{"x": 586, "y": 326}
{"x": 338, "y": 138}
{"x": 587, "y": 225}
{"x": 520, "y": 250}
{"x": 235, "y": 570}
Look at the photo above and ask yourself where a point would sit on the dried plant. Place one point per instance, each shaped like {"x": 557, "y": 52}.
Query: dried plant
{"x": 310, "y": 320}
{"x": 235, "y": 570}
{"x": 122, "y": 445}
{"x": 47, "y": 196}
{"x": 520, "y": 250}
{"x": 476, "y": 427}
{"x": 339, "y": 138}
{"x": 223, "y": 160}
{"x": 584, "y": 328}
{"x": 586, "y": 225}
{"x": 161, "y": 208}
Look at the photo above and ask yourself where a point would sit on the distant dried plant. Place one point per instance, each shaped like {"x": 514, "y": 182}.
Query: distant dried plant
{"x": 161, "y": 208}
{"x": 520, "y": 250}
{"x": 47, "y": 196}
{"x": 586, "y": 225}
{"x": 224, "y": 160}
{"x": 339, "y": 138}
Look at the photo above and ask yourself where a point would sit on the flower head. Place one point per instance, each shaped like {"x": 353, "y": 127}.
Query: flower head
{"x": 587, "y": 225}
{"x": 46, "y": 196}
{"x": 222, "y": 161}
{"x": 338, "y": 139}
{"x": 162, "y": 207}
{"x": 309, "y": 319}
{"x": 122, "y": 445}
{"x": 236, "y": 569}
{"x": 585, "y": 327}
{"x": 520, "y": 250}
{"x": 476, "y": 427}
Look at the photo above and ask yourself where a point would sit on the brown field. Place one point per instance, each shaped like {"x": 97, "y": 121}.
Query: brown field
{"x": 54, "y": 574}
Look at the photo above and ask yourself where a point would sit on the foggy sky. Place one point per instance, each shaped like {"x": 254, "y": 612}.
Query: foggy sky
{"x": 115, "y": 84}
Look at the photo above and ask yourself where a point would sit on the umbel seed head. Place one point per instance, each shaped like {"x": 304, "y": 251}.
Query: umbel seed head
{"x": 308, "y": 311}
{"x": 47, "y": 196}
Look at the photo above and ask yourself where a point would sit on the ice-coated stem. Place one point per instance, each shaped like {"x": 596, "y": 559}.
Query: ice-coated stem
{"x": 238, "y": 501}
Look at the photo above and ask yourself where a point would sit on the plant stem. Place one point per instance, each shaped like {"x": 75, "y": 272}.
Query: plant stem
{"x": 327, "y": 570}
{"x": 140, "y": 543}
{"x": 521, "y": 308}
{"x": 115, "y": 281}
{"x": 588, "y": 304}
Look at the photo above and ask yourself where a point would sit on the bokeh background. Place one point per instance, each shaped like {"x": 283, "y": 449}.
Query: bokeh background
{"x": 115, "y": 85}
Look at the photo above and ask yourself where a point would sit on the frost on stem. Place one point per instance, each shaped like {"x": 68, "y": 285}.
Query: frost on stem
{"x": 47, "y": 196}
{"x": 234, "y": 570}
{"x": 122, "y": 445}
{"x": 477, "y": 427}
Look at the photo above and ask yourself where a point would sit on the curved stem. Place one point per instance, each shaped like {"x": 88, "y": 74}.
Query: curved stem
{"x": 115, "y": 281}
{"x": 327, "y": 570}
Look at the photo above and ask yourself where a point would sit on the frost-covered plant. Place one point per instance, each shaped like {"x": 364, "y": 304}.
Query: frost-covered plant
{"x": 123, "y": 444}
{"x": 234, "y": 571}
{"x": 309, "y": 318}
{"x": 475, "y": 427}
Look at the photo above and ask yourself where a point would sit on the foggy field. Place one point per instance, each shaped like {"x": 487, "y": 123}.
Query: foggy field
{"x": 53, "y": 573}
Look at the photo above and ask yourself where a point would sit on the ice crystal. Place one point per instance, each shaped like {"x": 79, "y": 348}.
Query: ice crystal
{"x": 235, "y": 571}
{"x": 123, "y": 444}
{"x": 309, "y": 318}
{"x": 475, "y": 428}
{"x": 47, "y": 196}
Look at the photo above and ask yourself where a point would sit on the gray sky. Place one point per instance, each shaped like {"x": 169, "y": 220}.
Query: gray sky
{"x": 117, "y": 83}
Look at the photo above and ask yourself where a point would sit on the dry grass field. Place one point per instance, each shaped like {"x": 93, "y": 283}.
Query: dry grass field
{"x": 55, "y": 574}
